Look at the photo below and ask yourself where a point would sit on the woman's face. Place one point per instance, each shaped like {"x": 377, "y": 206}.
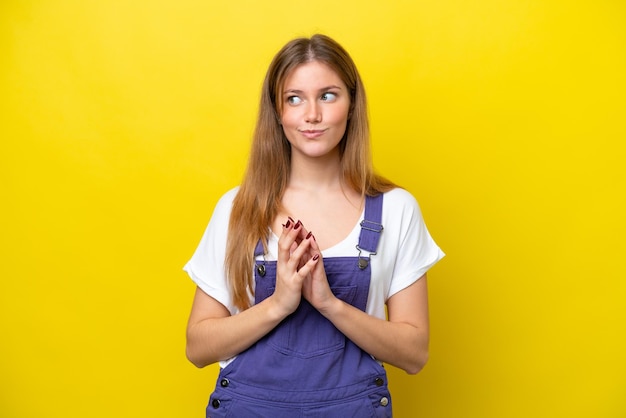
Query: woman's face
{"x": 315, "y": 108}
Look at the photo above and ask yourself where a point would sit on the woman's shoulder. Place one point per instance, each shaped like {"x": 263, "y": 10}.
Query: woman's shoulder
{"x": 224, "y": 204}
{"x": 226, "y": 200}
{"x": 400, "y": 204}
{"x": 229, "y": 196}
{"x": 398, "y": 197}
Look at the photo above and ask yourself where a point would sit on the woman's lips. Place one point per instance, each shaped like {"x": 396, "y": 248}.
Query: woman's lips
{"x": 312, "y": 133}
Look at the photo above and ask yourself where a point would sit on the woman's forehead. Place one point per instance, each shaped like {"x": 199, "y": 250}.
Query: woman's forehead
{"x": 311, "y": 74}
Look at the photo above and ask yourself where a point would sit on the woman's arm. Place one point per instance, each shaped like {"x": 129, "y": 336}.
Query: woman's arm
{"x": 213, "y": 334}
{"x": 402, "y": 341}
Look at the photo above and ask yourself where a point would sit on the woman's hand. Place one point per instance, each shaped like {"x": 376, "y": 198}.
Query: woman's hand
{"x": 315, "y": 288}
{"x": 238, "y": 332}
{"x": 293, "y": 266}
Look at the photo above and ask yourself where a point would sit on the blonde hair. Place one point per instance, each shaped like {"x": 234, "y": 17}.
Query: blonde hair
{"x": 258, "y": 200}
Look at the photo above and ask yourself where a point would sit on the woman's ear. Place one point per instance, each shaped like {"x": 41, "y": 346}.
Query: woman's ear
{"x": 351, "y": 110}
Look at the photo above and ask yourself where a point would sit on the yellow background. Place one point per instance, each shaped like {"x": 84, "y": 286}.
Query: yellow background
{"x": 122, "y": 122}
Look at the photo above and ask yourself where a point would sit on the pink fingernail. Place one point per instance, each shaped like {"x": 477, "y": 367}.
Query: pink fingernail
{"x": 315, "y": 257}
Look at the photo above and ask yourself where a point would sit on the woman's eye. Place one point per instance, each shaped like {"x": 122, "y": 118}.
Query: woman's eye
{"x": 328, "y": 96}
{"x": 294, "y": 100}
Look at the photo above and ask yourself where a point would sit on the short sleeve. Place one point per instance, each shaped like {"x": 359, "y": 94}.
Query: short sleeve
{"x": 206, "y": 266}
{"x": 416, "y": 252}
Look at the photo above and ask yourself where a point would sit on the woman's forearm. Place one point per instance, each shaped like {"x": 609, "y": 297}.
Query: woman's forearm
{"x": 400, "y": 344}
{"x": 402, "y": 341}
{"x": 216, "y": 338}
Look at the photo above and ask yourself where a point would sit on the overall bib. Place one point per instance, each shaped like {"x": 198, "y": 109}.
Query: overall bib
{"x": 305, "y": 367}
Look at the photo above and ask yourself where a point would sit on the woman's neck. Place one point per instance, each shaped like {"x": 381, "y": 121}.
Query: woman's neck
{"x": 316, "y": 173}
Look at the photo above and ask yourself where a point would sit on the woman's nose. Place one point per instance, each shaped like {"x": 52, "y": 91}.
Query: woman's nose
{"x": 313, "y": 113}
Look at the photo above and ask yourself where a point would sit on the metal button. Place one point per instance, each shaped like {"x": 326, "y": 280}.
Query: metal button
{"x": 216, "y": 403}
{"x": 363, "y": 262}
{"x": 384, "y": 401}
{"x": 224, "y": 383}
{"x": 379, "y": 381}
{"x": 261, "y": 270}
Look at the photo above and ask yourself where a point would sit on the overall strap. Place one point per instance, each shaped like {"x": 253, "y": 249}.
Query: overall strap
{"x": 371, "y": 228}
{"x": 258, "y": 251}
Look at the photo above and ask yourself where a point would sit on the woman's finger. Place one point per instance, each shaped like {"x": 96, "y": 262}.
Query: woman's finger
{"x": 306, "y": 269}
{"x": 300, "y": 254}
{"x": 287, "y": 239}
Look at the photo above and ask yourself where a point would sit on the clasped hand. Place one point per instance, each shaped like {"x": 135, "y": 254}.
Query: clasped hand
{"x": 300, "y": 270}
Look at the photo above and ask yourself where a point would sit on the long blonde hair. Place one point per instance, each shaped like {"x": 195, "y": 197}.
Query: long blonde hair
{"x": 258, "y": 200}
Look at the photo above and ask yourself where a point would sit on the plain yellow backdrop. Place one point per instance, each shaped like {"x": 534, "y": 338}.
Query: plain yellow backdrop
{"x": 122, "y": 122}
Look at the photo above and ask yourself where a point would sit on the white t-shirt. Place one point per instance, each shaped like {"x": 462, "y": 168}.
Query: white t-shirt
{"x": 405, "y": 251}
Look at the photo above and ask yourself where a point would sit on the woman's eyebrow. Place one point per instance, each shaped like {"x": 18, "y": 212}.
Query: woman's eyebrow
{"x": 290, "y": 91}
{"x": 297, "y": 91}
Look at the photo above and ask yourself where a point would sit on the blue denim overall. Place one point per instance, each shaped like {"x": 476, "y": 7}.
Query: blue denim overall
{"x": 305, "y": 367}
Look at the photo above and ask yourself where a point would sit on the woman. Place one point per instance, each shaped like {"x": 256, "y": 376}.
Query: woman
{"x": 297, "y": 264}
